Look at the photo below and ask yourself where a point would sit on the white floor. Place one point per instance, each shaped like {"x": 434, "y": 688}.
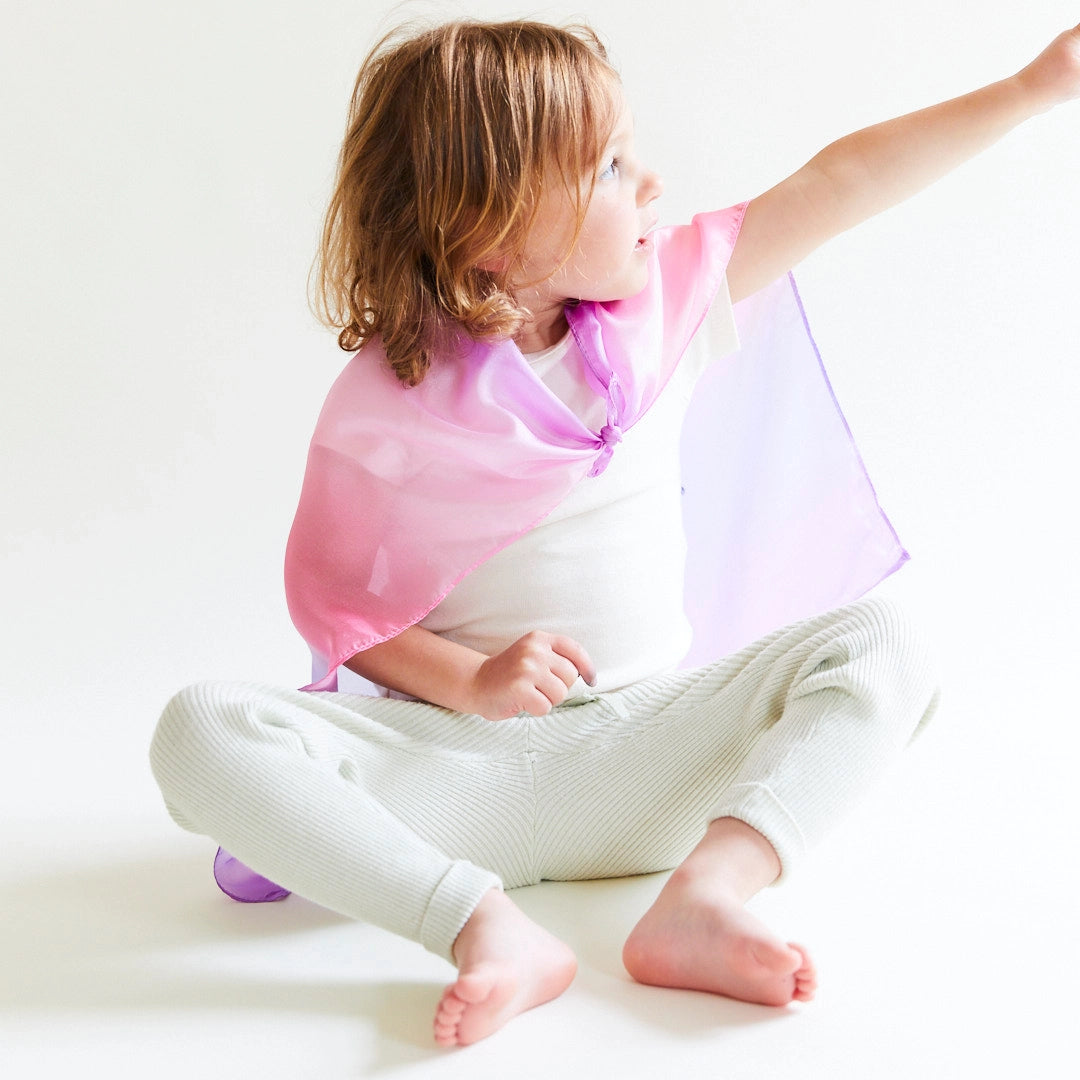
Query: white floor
{"x": 942, "y": 917}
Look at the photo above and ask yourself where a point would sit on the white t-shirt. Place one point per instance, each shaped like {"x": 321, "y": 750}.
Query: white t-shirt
{"x": 606, "y": 566}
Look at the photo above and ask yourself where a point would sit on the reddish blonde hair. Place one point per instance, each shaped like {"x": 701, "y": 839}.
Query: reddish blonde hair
{"x": 452, "y": 134}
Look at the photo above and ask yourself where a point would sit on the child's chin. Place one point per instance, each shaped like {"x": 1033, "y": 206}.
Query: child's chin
{"x": 629, "y": 285}
{"x": 635, "y": 284}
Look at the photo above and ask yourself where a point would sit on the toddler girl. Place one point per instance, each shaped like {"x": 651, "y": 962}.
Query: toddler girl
{"x": 490, "y": 530}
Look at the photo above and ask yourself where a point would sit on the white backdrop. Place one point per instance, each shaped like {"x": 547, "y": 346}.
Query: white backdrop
{"x": 163, "y": 170}
{"x": 163, "y": 177}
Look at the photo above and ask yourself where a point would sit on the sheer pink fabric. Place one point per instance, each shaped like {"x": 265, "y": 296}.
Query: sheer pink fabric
{"x": 408, "y": 490}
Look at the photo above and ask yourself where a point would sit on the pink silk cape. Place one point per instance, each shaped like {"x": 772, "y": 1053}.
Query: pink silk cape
{"x": 407, "y": 490}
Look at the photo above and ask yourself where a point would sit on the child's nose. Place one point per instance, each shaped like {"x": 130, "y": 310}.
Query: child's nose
{"x": 652, "y": 187}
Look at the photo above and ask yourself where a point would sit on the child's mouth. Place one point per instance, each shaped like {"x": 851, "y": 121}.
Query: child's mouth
{"x": 644, "y": 243}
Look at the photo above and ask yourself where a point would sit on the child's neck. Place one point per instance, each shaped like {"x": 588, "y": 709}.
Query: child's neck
{"x": 543, "y": 331}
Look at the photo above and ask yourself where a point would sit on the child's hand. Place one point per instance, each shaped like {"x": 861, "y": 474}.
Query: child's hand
{"x": 531, "y": 676}
{"x": 1054, "y": 75}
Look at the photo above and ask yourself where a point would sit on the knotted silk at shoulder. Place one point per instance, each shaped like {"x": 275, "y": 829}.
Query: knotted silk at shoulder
{"x": 409, "y": 489}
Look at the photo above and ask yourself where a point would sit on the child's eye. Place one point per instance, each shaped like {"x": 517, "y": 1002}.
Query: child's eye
{"x": 610, "y": 169}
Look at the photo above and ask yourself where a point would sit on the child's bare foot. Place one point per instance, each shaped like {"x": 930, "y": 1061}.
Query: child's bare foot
{"x": 506, "y": 964}
{"x": 698, "y": 937}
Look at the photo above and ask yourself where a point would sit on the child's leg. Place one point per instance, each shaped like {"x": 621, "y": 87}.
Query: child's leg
{"x": 771, "y": 745}
{"x": 843, "y": 701}
{"x": 278, "y": 778}
{"x": 386, "y": 822}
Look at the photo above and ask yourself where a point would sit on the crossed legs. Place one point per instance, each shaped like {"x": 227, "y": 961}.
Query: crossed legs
{"x": 386, "y": 811}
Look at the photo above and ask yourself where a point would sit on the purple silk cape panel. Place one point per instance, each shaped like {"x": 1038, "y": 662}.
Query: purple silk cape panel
{"x": 781, "y": 518}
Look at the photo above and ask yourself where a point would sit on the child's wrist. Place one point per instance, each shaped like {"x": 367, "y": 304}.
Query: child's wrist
{"x": 470, "y": 695}
{"x": 1053, "y": 77}
{"x": 1032, "y": 96}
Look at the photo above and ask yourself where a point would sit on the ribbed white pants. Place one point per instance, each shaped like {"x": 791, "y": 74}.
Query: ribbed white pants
{"x": 404, "y": 814}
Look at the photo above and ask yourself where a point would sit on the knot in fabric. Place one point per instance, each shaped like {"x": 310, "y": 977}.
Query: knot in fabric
{"x": 610, "y": 437}
{"x": 611, "y": 434}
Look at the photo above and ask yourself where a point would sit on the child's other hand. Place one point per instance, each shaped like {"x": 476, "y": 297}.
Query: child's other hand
{"x": 1054, "y": 75}
{"x": 532, "y": 676}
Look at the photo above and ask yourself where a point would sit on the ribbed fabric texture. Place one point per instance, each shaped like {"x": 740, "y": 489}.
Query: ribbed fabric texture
{"x": 403, "y": 814}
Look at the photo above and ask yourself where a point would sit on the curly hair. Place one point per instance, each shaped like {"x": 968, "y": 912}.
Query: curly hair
{"x": 452, "y": 135}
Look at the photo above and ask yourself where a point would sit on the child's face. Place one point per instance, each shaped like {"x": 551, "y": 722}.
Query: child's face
{"x": 610, "y": 259}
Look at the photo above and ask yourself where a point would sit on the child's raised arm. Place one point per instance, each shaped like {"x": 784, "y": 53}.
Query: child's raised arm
{"x": 867, "y": 172}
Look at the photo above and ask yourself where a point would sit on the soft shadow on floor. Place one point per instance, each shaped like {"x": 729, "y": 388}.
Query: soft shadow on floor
{"x": 151, "y": 932}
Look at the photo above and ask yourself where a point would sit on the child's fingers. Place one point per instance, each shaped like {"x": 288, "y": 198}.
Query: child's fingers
{"x": 577, "y": 656}
{"x": 538, "y": 703}
{"x": 554, "y": 689}
{"x": 564, "y": 670}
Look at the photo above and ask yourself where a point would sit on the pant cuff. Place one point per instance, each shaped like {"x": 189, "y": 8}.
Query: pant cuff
{"x": 758, "y": 807}
{"x": 453, "y": 901}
